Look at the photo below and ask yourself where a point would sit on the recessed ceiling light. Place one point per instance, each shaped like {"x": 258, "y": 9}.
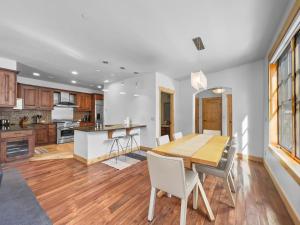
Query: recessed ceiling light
{"x": 105, "y": 62}
{"x": 74, "y": 72}
{"x": 36, "y": 74}
{"x": 106, "y": 81}
{"x": 136, "y": 95}
{"x": 99, "y": 86}
{"x": 122, "y": 93}
{"x": 98, "y": 70}
{"x": 74, "y": 81}
{"x": 105, "y": 90}
{"x": 122, "y": 68}
{"x": 136, "y": 72}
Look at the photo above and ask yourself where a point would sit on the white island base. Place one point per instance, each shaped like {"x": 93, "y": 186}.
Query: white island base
{"x": 91, "y": 145}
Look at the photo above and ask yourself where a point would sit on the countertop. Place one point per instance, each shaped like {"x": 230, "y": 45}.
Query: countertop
{"x": 108, "y": 127}
{"x": 33, "y": 126}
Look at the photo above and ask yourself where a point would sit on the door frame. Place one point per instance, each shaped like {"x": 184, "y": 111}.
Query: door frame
{"x": 171, "y": 93}
{"x": 229, "y": 118}
{"x": 197, "y": 128}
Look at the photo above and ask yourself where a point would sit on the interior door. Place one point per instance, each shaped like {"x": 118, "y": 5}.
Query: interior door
{"x": 212, "y": 113}
{"x": 229, "y": 115}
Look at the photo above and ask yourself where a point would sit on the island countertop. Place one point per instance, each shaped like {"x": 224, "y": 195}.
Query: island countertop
{"x": 108, "y": 127}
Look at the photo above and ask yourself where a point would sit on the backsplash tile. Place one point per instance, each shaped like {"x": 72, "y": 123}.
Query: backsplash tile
{"x": 14, "y": 115}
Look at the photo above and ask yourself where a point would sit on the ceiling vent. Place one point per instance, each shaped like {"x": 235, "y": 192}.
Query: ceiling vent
{"x": 198, "y": 43}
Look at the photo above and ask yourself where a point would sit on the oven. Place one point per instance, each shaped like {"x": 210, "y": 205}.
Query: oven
{"x": 65, "y": 132}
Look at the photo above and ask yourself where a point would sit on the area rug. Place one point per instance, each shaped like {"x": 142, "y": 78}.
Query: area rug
{"x": 18, "y": 205}
{"x": 127, "y": 160}
{"x": 51, "y": 152}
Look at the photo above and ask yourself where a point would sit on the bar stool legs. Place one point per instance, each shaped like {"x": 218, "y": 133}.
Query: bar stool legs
{"x": 119, "y": 146}
{"x": 131, "y": 139}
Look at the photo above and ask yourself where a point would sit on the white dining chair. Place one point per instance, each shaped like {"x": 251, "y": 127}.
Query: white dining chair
{"x": 177, "y": 135}
{"x": 223, "y": 171}
{"x": 162, "y": 140}
{"x": 212, "y": 132}
{"x": 168, "y": 174}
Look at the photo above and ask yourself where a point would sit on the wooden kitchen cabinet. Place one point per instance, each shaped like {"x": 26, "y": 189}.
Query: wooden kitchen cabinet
{"x": 7, "y": 88}
{"x": 46, "y": 98}
{"x": 41, "y": 135}
{"x": 36, "y": 97}
{"x": 16, "y": 145}
{"x": 84, "y": 102}
{"x": 30, "y": 96}
{"x": 52, "y": 134}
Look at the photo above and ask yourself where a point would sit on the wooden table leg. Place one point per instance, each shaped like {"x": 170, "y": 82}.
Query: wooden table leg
{"x": 204, "y": 198}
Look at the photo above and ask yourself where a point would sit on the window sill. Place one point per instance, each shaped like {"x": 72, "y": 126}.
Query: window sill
{"x": 289, "y": 164}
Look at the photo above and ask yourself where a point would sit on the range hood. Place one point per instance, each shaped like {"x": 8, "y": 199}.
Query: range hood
{"x": 65, "y": 100}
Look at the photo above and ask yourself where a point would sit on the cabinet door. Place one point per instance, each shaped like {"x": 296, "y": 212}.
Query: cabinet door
{"x": 41, "y": 136}
{"x": 46, "y": 98}
{"x": 52, "y": 134}
{"x": 7, "y": 88}
{"x": 30, "y": 96}
{"x": 88, "y": 102}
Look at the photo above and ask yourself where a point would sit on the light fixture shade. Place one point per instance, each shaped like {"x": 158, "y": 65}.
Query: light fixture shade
{"x": 218, "y": 90}
{"x": 198, "y": 80}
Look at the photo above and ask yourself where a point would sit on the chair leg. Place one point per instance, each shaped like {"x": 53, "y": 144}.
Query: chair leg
{"x": 138, "y": 147}
{"x": 183, "y": 211}
{"x": 231, "y": 182}
{"x": 195, "y": 197}
{"x": 152, "y": 204}
{"x": 111, "y": 148}
{"x": 227, "y": 186}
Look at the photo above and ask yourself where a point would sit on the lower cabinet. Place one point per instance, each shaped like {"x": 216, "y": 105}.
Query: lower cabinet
{"x": 16, "y": 145}
{"x": 45, "y": 134}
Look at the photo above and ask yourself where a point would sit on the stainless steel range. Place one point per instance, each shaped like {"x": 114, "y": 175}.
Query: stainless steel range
{"x": 65, "y": 131}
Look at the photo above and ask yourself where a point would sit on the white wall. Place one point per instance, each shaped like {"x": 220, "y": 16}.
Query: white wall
{"x": 246, "y": 82}
{"x": 49, "y": 84}
{"x": 288, "y": 185}
{"x": 8, "y": 64}
{"x": 140, "y": 109}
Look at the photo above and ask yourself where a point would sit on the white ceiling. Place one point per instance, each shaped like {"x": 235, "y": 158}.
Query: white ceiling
{"x": 56, "y": 37}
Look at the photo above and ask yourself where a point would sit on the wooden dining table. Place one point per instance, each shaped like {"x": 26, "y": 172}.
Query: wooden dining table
{"x": 197, "y": 149}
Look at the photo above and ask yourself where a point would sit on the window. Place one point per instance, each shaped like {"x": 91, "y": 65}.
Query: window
{"x": 285, "y": 115}
{"x": 284, "y": 94}
{"x": 297, "y": 94}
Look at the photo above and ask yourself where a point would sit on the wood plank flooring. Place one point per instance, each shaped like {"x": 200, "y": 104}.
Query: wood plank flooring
{"x": 72, "y": 193}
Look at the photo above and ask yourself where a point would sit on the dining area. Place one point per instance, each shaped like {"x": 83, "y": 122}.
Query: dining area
{"x": 179, "y": 168}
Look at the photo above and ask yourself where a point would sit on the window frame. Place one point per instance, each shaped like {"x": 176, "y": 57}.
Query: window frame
{"x": 290, "y": 47}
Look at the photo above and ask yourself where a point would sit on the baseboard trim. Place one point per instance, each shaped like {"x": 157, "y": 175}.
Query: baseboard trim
{"x": 144, "y": 148}
{"x": 249, "y": 157}
{"x": 100, "y": 158}
{"x": 289, "y": 207}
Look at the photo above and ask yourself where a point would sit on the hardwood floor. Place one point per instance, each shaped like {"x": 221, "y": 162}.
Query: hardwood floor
{"x": 72, "y": 193}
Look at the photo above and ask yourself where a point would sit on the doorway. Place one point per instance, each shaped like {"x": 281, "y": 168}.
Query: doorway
{"x": 166, "y": 112}
{"x": 213, "y": 111}
{"x": 212, "y": 114}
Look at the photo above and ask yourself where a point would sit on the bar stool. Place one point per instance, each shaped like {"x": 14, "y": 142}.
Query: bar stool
{"x": 131, "y": 139}
{"x": 116, "y": 137}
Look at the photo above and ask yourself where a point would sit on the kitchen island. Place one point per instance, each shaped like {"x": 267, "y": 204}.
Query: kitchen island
{"x": 93, "y": 144}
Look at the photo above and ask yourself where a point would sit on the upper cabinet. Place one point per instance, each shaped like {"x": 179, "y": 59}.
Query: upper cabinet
{"x": 84, "y": 102}
{"x": 36, "y": 97}
{"x": 7, "y": 88}
{"x": 46, "y": 98}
